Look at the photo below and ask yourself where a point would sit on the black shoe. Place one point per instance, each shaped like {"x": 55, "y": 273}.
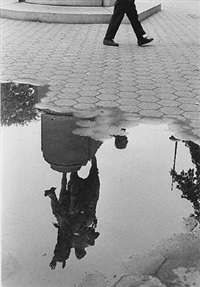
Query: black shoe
{"x": 50, "y": 192}
{"x": 109, "y": 42}
{"x": 144, "y": 40}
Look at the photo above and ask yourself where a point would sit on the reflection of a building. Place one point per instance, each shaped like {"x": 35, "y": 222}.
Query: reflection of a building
{"x": 75, "y": 209}
{"x": 188, "y": 182}
{"x": 63, "y": 150}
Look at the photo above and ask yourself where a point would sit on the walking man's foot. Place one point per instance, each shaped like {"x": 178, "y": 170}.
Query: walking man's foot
{"x": 144, "y": 40}
{"x": 50, "y": 192}
{"x": 110, "y": 42}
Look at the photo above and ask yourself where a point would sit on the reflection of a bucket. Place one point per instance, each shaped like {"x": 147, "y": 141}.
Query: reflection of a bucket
{"x": 63, "y": 150}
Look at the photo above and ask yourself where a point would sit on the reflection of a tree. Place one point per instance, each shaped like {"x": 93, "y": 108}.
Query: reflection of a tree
{"x": 17, "y": 104}
{"x": 75, "y": 211}
{"x": 189, "y": 181}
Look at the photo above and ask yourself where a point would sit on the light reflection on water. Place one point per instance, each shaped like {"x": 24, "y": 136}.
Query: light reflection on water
{"x": 135, "y": 210}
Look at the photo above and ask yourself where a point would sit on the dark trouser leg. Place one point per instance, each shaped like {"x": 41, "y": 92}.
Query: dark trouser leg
{"x": 54, "y": 205}
{"x": 115, "y": 21}
{"x": 63, "y": 192}
{"x": 132, "y": 15}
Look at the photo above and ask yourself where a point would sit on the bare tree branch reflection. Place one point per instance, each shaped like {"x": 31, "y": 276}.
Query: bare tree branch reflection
{"x": 189, "y": 181}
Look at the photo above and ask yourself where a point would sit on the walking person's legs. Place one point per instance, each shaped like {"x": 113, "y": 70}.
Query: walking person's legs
{"x": 132, "y": 15}
{"x": 128, "y": 7}
{"x": 115, "y": 21}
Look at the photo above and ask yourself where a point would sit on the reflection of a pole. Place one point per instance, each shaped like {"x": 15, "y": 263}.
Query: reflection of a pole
{"x": 174, "y": 164}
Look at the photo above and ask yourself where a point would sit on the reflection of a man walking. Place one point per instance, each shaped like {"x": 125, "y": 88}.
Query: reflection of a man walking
{"x": 75, "y": 211}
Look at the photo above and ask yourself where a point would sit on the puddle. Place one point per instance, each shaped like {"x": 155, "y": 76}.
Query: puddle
{"x": 134, "y": 193}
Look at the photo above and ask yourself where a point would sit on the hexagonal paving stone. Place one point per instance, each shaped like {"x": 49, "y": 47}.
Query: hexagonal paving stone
{"x": 164, "y": 90}
{"x": 196, "y": 92}
{"x": 89, "y": 93}
{"x": 127, "y": 95}
{"x": 67, "y": 96}
{"x": 134, "y": 109}
{"x": 171, "y": 111}
{"x": 168, "y": 103}
{"x": 195, "y": 123}
{"x": 89, "y": 88}
{"x": 147, "y": 93}
{"x": 127, "y": 89}
{"x": 51, "y": 93}
{"x": 89, "y": 100}
{"x": 107, "y": 97}
{"x": 173, "y": 117}
{"x": 56, "y": 87}
{"x": 192, "y": 115}
{"x": 74, "y": 80}
{"x": 56, "y": 82}
{"x": 193, "y": 81}
{"x": 166, "y": 96}
{"x": 108, "y": 91}
{"x": 163, "y": 85}
{"x": 58, "y": 77}
{"x": 149, "y": 106}
{"x": 186, "y": 100}
{"x": 91, "y": 83}
{"x": 46, "y": 100}
{"x": 108, "y": 86}
{"x": 190, "y": 107}
{"x": 183, "y": 88}
{"x": 71, "y": 90}
{"x": 84, "y": 106}
{"x": 126, "y": 102}
{"x": 94, "y": 79}
{"x": 145, "y": 87}
{"x": 183, "y": 94}
{"x": 65, "y": 102}
{"x": 148, "y": 99}
{"x": 73, "y": 85}
{"x": 161, "y": 80}
{"x": 179, "y": 84}
{"x": 108, "y": 104}
{"x": 151, "y": 113}
{"x": 126, "y": 83}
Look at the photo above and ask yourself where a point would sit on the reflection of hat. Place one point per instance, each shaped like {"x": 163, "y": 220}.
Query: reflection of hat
{"x": 80, "y": 253}
{"x": 120, "y": 141}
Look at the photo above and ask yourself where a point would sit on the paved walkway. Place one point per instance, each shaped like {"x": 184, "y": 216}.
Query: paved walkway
{"x": 160, "y": 80}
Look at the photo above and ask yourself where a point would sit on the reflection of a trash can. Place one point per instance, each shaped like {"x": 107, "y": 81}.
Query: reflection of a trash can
{"x": 63, "y": 150}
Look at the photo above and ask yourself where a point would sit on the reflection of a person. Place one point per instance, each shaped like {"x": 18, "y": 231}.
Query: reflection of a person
{"x": 67, "y": 152}
{"x": 189, "y": 181}
{"x": 75, "y": 212}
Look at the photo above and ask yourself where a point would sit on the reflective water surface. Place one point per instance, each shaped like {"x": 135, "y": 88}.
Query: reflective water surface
{"x": 107, "y": 182}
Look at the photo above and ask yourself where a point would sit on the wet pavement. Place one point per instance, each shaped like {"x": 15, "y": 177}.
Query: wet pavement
{"x": 107, "y": 112}
{"x": 160, "y": 80}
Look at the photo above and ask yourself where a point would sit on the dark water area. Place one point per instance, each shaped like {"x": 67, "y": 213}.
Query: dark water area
{"x": 112, "y": 186}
